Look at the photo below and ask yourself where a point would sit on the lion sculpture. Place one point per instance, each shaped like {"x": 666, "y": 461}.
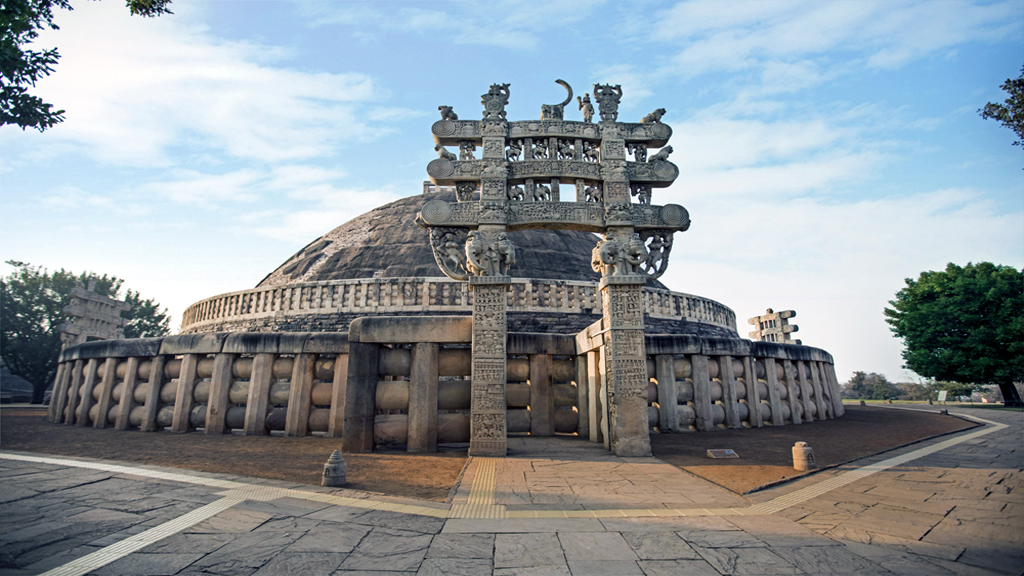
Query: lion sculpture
{"x": 447, "y": 113}
{"x": 661, "y": 156}
{"x": 653, "y": 117}
{"x": 442, "y": 153}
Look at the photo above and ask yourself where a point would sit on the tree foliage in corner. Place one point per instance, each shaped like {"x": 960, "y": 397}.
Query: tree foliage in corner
{"x": 1011, "y": 113}
{"x": 31, "y": 310}
{"x": 964, "y": 325}
{"x": 21, "y": 68}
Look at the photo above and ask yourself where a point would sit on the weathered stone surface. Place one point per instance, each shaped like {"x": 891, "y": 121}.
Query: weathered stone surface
{"x": 389, "y": 549}
{"x": 677, "y": 568}
{"x": 827, "y": 560}
{"x": 604, "y": 568}
{"x": 320, "y": 563}
{"x": 330, "y": 536}
{"x": 411, "y": 329}
{"x": 246, "y": 553}
{"x": 554, "y": 570}
{"x": 265, "y": 342}
{"x": 405, "y": 522}
{"x": 523, "y": 550}
{"x": 193, "y": 344}
{"x": 659, "y": 546}
{"x": 743, "y": 561}
{"x": 455, "y": 567}
{"x": 150, "y": 564}
{"x": 189, "y": 544}
{"x": 591, "y": 546}
{"x": 462, "y": 546}
{"x": 112, "y": 349}
{"x": 231, "y": 521}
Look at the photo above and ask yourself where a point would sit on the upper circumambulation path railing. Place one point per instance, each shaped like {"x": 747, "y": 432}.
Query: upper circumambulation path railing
{"x": 425, "y": 295}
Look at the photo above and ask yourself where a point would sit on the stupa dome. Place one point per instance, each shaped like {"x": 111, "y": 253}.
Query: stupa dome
{"x": 381, "y": 264}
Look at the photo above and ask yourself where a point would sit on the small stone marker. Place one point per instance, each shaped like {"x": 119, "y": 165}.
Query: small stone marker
{"x": 334, "y": 470}
{"x": 803, "y": 457}
{"x": 722, "y": 453}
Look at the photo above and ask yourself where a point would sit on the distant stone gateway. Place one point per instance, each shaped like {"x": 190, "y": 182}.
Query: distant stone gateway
{"x": 484, "y": 307}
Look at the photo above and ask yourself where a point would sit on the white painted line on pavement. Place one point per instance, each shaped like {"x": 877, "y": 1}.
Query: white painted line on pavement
{"x": 104, "y": 556}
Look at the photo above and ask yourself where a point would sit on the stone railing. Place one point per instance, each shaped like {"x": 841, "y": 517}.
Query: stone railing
{"x": 699, "y": 384}
{"x": 425, "y": 295}
{"x": 406, "y": 380}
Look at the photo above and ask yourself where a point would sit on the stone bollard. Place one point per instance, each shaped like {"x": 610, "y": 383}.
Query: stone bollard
{"x": 803, "y": 457}
{"x": 334, "y": 470}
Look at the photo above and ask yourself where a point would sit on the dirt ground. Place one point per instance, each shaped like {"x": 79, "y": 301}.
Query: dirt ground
{"x": 765, "y": 454}
{"x": 300, "y": 460}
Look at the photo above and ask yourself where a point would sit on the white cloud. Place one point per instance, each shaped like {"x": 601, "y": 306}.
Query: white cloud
{"x": 716, "y": 36}
{"x": 500, "y": 23}
{"x": 155, "y": 84}
{"x": 331, "y": 208}
{"x": 837, "y": 263}
{"x": 636, "y": 84}
{"x": 202, "y": 189}
{"x": 73, "y": 199}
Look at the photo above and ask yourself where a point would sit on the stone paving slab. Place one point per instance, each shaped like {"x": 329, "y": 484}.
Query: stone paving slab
{"x": 959, "y": 510}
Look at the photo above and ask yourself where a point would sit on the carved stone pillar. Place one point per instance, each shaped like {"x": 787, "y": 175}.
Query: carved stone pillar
{"x": 626, "y": 365}
{"x": 490, "y": 330}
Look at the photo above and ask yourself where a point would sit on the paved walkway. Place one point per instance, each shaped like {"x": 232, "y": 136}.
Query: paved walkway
{"x": 952, "y": 505}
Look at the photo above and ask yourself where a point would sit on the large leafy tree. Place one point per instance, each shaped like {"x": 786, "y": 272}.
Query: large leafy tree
{"x": 965, "y": 324}
{"x": 20, "y": 67}
{"x": 1011, "y": 112}
{"x": 32, "y": 301}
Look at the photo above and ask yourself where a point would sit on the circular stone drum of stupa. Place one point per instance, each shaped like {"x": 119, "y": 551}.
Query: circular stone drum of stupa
{"x": 381, "y": 264}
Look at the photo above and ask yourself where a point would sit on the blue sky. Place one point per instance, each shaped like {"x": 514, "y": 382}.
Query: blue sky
{"x": 828, "y": 150}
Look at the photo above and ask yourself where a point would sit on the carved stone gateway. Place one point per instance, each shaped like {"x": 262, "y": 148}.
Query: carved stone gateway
{"x": 93, "y": 316}
{"x": 523, "y": 171}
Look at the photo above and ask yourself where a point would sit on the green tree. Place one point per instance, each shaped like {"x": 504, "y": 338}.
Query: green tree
{"x": 31, "y": 311}
{"x": 21, "y": 68}
{"x": 964, "y": 325}
{"x": 871, "y": 386}
{"x": 1010, "y": 113}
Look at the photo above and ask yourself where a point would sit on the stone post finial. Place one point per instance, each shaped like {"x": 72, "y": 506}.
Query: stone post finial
{"x": 803, "y": 457}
